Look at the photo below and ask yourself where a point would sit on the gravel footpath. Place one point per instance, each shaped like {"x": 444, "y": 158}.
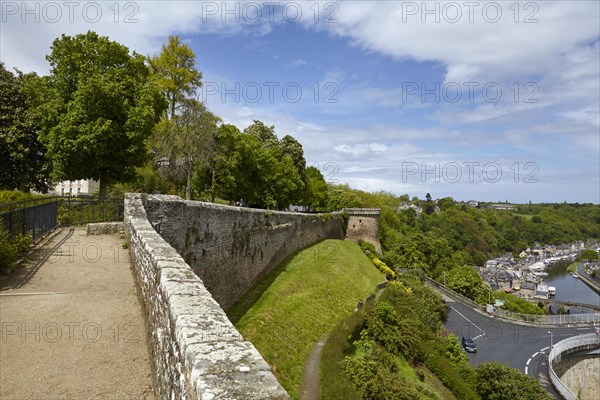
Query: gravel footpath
{"x": 75, "y": 330}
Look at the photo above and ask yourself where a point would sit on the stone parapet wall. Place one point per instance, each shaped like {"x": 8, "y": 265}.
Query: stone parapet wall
{"x": 197, "y": 352}
{"x": 231, "y": 248}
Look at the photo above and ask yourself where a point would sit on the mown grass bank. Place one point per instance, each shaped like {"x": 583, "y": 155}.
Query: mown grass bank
{"x": 301, "y": 301}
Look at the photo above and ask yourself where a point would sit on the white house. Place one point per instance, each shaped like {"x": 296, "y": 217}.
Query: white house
{"x": 542, "y": 291}
{"x": 77, "y": 187}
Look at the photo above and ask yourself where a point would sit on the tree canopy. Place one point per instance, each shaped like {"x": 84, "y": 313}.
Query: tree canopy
{"x": 97, "y": 108}
{"x": 256, "y": 167}
{"x": 23, "y": 158}
{"x": 175, "y": 72}
{"x": 188, "y": 140}
{"x": 495, "y": 381}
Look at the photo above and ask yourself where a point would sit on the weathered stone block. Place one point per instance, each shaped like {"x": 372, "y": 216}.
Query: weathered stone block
{"x": 104, "y": 228}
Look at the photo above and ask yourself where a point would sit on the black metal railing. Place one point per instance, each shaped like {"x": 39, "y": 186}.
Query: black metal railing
{"x": 38, "y": 216}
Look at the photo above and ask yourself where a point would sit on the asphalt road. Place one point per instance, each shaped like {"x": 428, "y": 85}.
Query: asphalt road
{"x": 522, "y": 347}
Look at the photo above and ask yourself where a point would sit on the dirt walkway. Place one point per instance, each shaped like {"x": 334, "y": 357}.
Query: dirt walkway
{"x": 310, "y": 380}
{"x": 75, "y": 329}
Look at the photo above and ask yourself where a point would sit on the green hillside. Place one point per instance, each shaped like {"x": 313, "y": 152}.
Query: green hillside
{"x": 301, "y": 301}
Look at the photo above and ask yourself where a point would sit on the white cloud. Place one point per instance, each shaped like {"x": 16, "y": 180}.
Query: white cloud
{"x": 298, "y": 63}
{"x": 471, "y": 50}
{"x": 142, "y": 25}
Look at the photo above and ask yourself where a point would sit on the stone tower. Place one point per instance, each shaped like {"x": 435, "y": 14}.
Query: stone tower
{"x": 363, "y": 223}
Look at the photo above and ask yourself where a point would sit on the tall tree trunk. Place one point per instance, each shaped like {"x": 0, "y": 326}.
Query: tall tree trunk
{"x": 188, "y": 186}
{"x": 102, "y": 190}
{"x": 172, "y": 105}
{"x": 213, "y": 186}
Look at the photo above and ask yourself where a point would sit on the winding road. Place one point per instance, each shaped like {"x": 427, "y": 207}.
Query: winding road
{"x": 520, "y": 346}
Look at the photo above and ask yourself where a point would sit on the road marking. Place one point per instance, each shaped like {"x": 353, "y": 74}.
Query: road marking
{"x": 532, "y": 357}
{"x": 468, "y": 320}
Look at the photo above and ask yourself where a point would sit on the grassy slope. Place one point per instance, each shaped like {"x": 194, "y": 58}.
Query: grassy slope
{"x": 306, "y": 297}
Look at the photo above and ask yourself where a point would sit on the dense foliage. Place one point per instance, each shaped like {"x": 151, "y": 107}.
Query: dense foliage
{"x": 258, "y": 168}
{"x": 402, "y": 329}
{"x": 12, "y": 248}
{"x": 495, "y": 381}
{"x": 96, "y": 109}
{"x": 459, "y": 234}
{"x": 23, "y": 160}
{"x": 396, "y": 343}
{"x": 589, "y": 255}
{"x": 10, "y": 196}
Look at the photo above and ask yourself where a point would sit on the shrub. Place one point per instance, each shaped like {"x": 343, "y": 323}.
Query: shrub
{"x": 11, "y": 249}
{"x": 9, "y": 196}
{"x": 497, "y": 381}
{"x": 383, "y": 267}
{"x": 446, "y": 372}
{"x": 365, "y": 246}
{"x": 7, "y": 251}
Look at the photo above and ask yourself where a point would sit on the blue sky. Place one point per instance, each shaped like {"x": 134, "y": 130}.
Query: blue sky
{"x": 494, "y": 101}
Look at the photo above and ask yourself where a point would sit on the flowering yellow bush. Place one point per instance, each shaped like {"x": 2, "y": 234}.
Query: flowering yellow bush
{"x": 383, "y": 267}
{"x": 401, "y": 285}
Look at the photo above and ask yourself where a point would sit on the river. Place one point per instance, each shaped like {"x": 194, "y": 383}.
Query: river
{"x": 567, "y": 287}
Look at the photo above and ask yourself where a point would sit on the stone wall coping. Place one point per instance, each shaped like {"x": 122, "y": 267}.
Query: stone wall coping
{"x": 362, "y": 211}
{"x": 215, "y": 206}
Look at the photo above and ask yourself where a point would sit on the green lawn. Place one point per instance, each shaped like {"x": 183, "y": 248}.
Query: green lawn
{"x": 302, "y": 300}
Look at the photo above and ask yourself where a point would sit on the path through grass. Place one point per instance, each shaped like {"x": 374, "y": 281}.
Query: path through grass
{"x": 302, "y": 300}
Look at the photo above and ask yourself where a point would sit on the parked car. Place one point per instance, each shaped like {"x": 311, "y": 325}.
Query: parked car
{"x": 469, "y": 344}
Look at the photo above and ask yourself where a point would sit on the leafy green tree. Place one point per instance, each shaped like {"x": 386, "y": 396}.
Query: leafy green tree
{"x": 461, "y": 258}
{"x": 23, "y": 158}
{"x": 188, "y": 140}
{"x": 340, "y": 196}
{"x": 466, "y": 281}
{"x": 97, "y": 108}
{"x": 148, "y": 180}
{"x": 252, "y": 166}
{"x": 454, "y": 351}
{"x": 263, "y": 133}
{"x": 276, "y": 179}
{"x": 590, "y": 255}
{"x": 279, "y": 184}
{"x": 293, "y": 148}
{"x": 497, "y": 381}
{"x": 225, "y": 176}
{"x": 316, "y": 189}
{"x": 175, "y": 72}
{"x": 446, "y": 203}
